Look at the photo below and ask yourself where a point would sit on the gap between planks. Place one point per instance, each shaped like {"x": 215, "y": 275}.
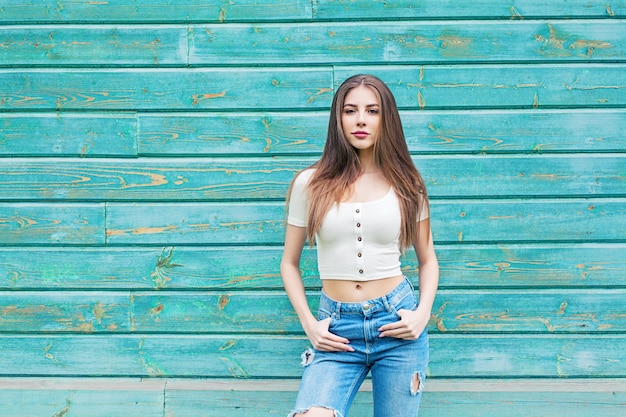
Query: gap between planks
{"x": 177, "y": 384}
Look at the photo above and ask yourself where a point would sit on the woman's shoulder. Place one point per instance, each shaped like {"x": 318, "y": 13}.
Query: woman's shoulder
{"x": 304, "y": 176}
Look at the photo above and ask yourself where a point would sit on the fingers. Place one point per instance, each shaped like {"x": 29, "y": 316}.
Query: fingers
{"x": 322, "y": 339}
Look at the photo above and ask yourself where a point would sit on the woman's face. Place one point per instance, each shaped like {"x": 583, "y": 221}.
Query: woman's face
{"x": 360, "y": 117}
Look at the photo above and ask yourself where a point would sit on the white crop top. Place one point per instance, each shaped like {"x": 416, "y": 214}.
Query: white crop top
{"x": 356, "y": 241}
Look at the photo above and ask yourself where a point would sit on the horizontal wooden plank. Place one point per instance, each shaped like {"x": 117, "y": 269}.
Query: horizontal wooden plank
{"x": 80, "y": 11}
{"x": 84, "y": 135}
{"x": 250, "y": 267}
{"x": 465, "y": 311}
{"x": 448, "y": 404}
{"x": 455, "y": 9}
{"x": 485, "y": 131}
{"x": 301, "y": 10}
{"x": 415, "y": 87}
{"x": 406, "y": 42}
{"x": 219, "y": 179}
{"x": 500, "y": 86}
{"x": 91, "y": 45}
{"x": 208, "y": 356}
{"x": 454, "y": 221}
{"x": 81, "y": 402}
{"x": 157, "y": 89}
{"x": 69, "y": 224}
{"x": 251, "y": 398}
{"x": 83, "y": 312}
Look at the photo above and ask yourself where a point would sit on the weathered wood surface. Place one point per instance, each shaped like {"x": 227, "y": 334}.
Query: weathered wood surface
{"x": 454, "y": 221}
{"x": 146, "y": 148}
{"x": 257, "y": 356}
{"x": 73, "y": 11}
{"x": 219, "y": 179}
{"x": 441, "y": 132}
{"x": 87, "y": 45}
{"x": 400, "y": 42}
{"x": 72, "y": 135}
{"x": 52, "y": 224}
{"x": 221, "y": 313}
{"x": 312, "y": 43}
{"x": 81, "y": 11}
{"x": 547, "y": 265}
{"x": 199, "y": 397}
{"x": 126, "y": 134}
{"x": 415, "y": 87}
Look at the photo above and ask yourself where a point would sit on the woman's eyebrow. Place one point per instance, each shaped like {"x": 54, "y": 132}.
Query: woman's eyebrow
{"x": 354, "y": 105}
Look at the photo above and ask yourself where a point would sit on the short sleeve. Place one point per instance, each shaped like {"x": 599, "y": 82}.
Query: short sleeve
{"x": 424, "y": 211}
{"x": 298, "y": 202}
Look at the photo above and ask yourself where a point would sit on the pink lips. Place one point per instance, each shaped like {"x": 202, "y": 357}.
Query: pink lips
{"x": 360, "y": 134}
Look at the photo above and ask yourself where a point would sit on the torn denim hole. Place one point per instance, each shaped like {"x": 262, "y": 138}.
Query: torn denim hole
{"x": 297, "y": 413}
{"x": 417, "y": 383}
{"x": 307, "y": 357}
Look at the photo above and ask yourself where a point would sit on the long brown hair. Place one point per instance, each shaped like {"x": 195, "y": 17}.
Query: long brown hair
{"x": 340, "y": 166}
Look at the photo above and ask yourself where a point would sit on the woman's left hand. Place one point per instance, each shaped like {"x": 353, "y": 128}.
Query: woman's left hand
{"x": 410, "y": 326}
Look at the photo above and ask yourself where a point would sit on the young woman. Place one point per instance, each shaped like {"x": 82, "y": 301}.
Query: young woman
{"x": 363, "y": 203}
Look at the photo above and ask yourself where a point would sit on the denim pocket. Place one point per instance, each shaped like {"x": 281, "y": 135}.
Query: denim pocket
{"x": 407, "y": 303}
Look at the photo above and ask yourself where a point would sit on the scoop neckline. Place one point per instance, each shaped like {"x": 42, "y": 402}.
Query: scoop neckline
{"x": 370, "y": 201}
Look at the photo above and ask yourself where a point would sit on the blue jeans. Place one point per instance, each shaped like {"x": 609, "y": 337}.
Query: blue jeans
{"x": 332, "y": 379}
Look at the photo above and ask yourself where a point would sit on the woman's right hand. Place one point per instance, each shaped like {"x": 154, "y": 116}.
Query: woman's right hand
{"x": 324, "y": 340}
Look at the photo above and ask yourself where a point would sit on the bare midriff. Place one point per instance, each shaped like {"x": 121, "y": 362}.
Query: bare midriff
{"x": 357, "y": 291}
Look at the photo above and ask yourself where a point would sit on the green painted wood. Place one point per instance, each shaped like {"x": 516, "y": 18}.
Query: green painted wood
{"x": 87, "y": 45}
{"x": 482, "y": 266}
{"x": 249, "y": 10}
{"x": 248, "y": 267}
{"x": 83, "y": 135}
{"x": 219, "y": 179}
{"x": 498, "y": 131}
{"x": 454, "y": 221}
{"x": 429, "y": 87}
{"x": 49, "y": 312}
{"x": 459, "y": 311}
{"x": 454, "y": 9}
{"x": 500, "y": 86}
{"x": 52, "y": 224}
{"x": 256, "y": 356}
{"x": 81, "y": 11}
{"x": 314, "y": 43}
{"x": 80, "y": 402}
{"x": 433, "y": 404}
{"x": 155, "y": 89}
{"x": 406, "y": 42}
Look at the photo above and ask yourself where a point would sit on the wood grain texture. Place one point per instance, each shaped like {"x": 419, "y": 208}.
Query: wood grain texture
{"x": 37, "y": 224}
{"x": 480, "y": 9}
{"x": 49, "y": 312}
{"x": 453, "y": 221}
{"x": 256, "y": 356}
{"x": 253, "y": 268}
{"x": 449, "y": 132}
{"x": 146, "y": 148}
{"x": 228, "y": 179}
{"x": 79, "y": 11}
{"x": 69, "y": 135}
{"x": 174, "y": 89}
{"x": 400, "y": 42}
{"x": 86, "y": 45}
{"x": 85, "y": 11}
{"x": 500, "y": 86}
{"x": 415, "y": 87}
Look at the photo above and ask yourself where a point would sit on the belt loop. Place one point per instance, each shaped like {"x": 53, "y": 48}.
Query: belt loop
{"x": 410, "y": 283}
{"x": 337, "y": 310}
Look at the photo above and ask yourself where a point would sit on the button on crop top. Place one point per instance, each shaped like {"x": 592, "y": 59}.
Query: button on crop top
{"x": 356, "y": 241}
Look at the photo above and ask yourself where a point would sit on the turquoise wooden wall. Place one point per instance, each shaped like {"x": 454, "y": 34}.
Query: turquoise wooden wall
{"x": 145, "y": 152}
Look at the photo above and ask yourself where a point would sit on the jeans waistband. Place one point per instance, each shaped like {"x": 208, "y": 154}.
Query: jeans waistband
{"x": 367, "y": 307}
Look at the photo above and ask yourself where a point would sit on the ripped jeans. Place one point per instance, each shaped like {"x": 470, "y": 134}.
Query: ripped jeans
{"x": 332, "y": 379}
